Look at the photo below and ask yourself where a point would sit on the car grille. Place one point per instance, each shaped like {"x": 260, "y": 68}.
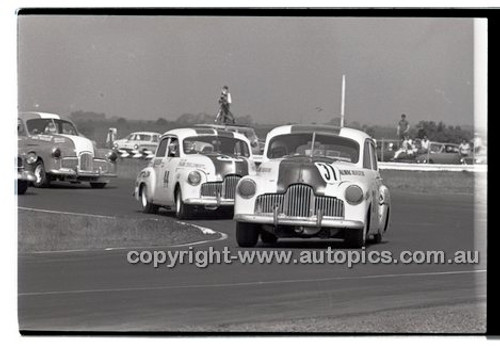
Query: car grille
{"x": 225, "y": 189}
{"x": 299, "y": 201}
{"x": 86, "y": 162}
{"x": 69, "y": 163}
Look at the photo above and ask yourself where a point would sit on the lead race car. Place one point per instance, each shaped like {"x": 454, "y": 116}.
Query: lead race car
{"x": 320, "y": 181}
{"x": 61, "y": 152}
{"x": 194, "y": 168}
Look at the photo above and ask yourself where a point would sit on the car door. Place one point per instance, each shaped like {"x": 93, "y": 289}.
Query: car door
{"x": 161, "y": 179}
{"x": 165, "y": 169}
{"x": 374, "y": 179}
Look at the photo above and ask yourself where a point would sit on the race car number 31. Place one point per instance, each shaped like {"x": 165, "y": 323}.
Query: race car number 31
{"x": 327, "y": 172}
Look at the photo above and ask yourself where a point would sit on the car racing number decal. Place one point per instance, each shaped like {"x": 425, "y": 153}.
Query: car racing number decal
{"x": 327, "y": 172}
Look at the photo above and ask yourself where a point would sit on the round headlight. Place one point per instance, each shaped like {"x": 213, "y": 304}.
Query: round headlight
{"x": 56, "y": 152}
{"x": 31, "y": 158}
{"x": 194, "y": 178}
{"x": 354, "y": 194}
{"x": 247, "y": 188}
{"x": 112, "y": 155}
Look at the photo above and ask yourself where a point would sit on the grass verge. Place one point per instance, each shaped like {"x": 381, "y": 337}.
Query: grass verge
{"x": 41, "y": 231}
{"x": 434, "y": 182}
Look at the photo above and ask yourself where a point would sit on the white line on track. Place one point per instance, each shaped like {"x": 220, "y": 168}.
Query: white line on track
{"x": 254, "y": 283}
{"x": 204, "y": 230}
{"x": 64, "y": 213}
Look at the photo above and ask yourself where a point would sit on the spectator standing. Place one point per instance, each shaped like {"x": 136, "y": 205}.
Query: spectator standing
{"x": 403, "y": 127}
{"x": 111, "y": 137}
{"x": 224, "y": 115}
{"x": 464, "y": 148}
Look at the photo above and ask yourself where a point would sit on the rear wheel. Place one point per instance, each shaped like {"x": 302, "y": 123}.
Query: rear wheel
{"x": 97, "y": 185}
{"x": 147, "y": 207}
{"x": 41, "y": 178}
{"x": 247, "y": 234}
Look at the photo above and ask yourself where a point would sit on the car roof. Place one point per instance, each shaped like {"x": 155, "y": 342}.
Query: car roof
{"x": 346, "y": 132}
{"x": 224, "y": 126}
{"x": 146, "y": 132}
{"x": 204, "y": 131}
{"x": 35, "y": 114}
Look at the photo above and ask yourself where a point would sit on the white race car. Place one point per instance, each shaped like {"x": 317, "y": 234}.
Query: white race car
{"x": 193, "y": 168}
{"x": 320, "y": 181}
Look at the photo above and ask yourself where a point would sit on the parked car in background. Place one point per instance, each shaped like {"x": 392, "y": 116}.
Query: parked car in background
{"x": 441, "y": 153}
{"x": 61, "y": 152}
{"x": 314, "y": 181}
{"x": 194, "y": 168}
{"x": 24, "y": 176}
{"x": 139, "y": 141}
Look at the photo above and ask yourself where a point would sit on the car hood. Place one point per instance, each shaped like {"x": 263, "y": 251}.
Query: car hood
{"x": 224, "y": 164}
{"x": 81, "y": 144}
{"x": 318, "y": 172}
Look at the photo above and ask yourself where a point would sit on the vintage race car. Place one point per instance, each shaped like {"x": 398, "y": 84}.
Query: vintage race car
{"x": 194, "y": 168}
{"x": 62, "y": 153}
{"x": 24, "y": 177}
{"x": 139, "y": 141}
{"x": 314, "y": 180}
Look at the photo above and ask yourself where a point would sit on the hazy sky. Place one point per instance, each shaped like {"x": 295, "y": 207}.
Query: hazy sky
{"x": 278, "y": 69}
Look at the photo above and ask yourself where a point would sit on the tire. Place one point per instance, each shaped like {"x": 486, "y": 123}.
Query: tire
{"x": 356, "y": 238}
{"x": 268, "y": 238}
{"x": 247, "y": 234}
{"x": 147, "y": 207}
{"x": 97, "y": 185}
{"x": 182, "y": 211}
{"x": 22, "y": 186}
{"x": 42, "y": 180}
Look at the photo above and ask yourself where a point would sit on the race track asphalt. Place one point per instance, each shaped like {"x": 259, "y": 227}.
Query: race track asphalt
{"x": 99, "y": 291}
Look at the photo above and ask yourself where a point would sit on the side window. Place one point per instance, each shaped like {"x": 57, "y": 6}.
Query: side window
{"x": 173, "y": 148}
{"x": 366, "y": 156}
{"x": 162, "y": 147}
{"x": 373, "y": 154}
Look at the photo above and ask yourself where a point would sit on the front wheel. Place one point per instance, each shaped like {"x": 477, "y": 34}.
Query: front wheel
{"x": 97, "y": 185}
{"x": 268, "y": 238}
{"x": 41, "y": 178}
{"x": 247, "y": 234}
{"x": 22, "y": 186}
{"x": 182, "y": 211}
{"x": 147, "y": 207}
{"x": 355, "y": 238}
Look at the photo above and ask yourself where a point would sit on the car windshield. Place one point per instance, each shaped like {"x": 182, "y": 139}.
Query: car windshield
{"x": 302, "y": 144}
{"x": 215, "y": 144}
{"x": 50, "y": 126}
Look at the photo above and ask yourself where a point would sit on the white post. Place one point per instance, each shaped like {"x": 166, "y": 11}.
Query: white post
{"x": 342, "y": 103}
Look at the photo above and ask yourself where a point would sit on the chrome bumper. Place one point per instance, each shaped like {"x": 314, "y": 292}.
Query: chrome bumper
{"x": 26, "y": 175}
{"x": 209, "y": 202}
{"x": 316, "y": 221}
{"x": 79, "y": 173}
